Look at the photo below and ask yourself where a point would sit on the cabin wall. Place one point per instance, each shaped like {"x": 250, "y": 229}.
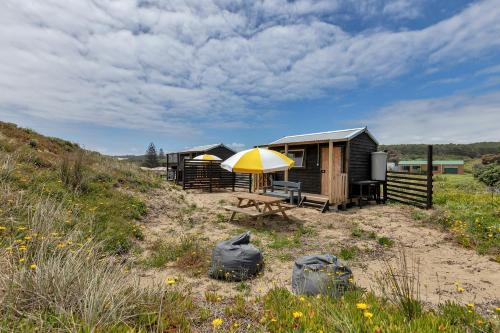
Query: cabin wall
{"x": 360, "y": 149}
{"x": 310, "y": 175}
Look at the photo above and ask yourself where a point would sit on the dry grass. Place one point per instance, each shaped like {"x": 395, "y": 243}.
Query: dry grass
{"x": 400, "y": 283}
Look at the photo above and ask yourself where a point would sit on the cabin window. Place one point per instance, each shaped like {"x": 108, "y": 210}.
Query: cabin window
{"x": 415, "y": 167}
{"x": 298, "y": 156}
{"x": 434, "y": 168}
{"x": 406, "y": 168}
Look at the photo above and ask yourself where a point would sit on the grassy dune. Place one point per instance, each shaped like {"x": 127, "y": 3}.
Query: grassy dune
{"x": 470, "y": 211}
{"x": 69, "y": 219}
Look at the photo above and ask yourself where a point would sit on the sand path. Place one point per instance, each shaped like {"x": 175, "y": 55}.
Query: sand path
{"x": 442, "y": 262}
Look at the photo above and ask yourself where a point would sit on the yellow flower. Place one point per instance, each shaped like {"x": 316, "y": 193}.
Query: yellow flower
{"x": 367, "y": 314}
{"x": 497, "y": 309}
{"x": 21, "y": 260}
{"x": 460, "y": 289}
{"x": 297, "y": 314}
{"x": 33, "y": 266}
{"x": 362, "y": 306}
{"x": 23, "y": 248}
{"x": 274, "y": 320}
{"x": 470, "y": 305}
{"x": 21, "y": 228}
{"x": 302, "y": 299}
{"x": 236, "y": 325}
{"x": 61, "y": 246}
{"x": 170, "y": 281}
{"x": 217, "y": 322}
{"x": 27, "y": 237}
{"x": 2, "y": 228}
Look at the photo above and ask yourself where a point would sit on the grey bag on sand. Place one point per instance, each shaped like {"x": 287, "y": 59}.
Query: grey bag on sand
{"x": 236, "y": 259}
{"x": 320, "y": 274}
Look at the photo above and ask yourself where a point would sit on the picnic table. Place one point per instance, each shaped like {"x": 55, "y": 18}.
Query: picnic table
{"x": 258, "y": 205}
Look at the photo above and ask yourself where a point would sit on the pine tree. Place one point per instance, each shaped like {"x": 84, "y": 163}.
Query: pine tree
{"x": 151, "y": 158}
{"x": 161, "y": 154}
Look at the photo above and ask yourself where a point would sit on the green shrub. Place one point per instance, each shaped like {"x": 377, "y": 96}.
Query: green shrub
{"x": 385, "y": 241}
{"x": 348, "y": 253}
{"x": 489, "y": 174}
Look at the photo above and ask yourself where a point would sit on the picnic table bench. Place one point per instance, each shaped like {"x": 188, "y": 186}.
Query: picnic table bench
{"x": 258, "y": 205}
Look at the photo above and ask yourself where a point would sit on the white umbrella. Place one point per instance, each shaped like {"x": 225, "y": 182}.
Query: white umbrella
{"x": 207, "y": 157}
{"x": 257, "y": 160}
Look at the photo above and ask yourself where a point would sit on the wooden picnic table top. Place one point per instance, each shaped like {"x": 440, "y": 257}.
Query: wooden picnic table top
{"x": 259, "y": 198}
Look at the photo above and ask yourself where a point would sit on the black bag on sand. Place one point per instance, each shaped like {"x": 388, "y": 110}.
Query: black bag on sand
{"x": 236, "y": 259}
{"x": 320, "y": 274}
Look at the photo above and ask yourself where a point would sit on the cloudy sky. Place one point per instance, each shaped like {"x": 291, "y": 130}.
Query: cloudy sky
{"x": 115, "y": 75}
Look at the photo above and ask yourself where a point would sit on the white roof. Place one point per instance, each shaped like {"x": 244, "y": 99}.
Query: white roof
{"x": 339, "y": 135}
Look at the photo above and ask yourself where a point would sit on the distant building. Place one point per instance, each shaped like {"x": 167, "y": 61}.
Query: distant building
{"x": 175, "y": 159}
{"x": 438, "y": 167}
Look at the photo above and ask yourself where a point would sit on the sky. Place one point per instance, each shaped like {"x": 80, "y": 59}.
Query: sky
{"x": 116, "y": 75}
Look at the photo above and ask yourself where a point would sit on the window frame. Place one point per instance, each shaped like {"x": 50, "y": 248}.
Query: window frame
{"x": 303, "y": 150}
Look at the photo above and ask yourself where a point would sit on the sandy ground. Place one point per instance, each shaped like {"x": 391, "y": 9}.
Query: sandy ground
{"x": 442, "y": 263}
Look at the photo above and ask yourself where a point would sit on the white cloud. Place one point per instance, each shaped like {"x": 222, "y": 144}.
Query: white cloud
{"x": 403, "y": 8}
{"x": 173, "y": 65}
{"x": 236, "y": 146}
{"x": 457, "y": 119}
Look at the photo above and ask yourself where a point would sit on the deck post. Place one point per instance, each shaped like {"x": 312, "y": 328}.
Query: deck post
{"x": 429, "y": 177}
{"x": 286, "y": 154}
{"x": 183, "y": 168}
{"x": 250, "y": 178}
{"x": 210, "y": 176}
{"x": 330, "y": 171}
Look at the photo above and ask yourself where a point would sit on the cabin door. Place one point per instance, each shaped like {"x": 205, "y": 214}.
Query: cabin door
{"x": 337, "y": 166}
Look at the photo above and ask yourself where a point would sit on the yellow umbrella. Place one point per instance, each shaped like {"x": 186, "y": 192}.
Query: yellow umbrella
{"x": 207, "y": 157}
{"x": 257, "y": 160}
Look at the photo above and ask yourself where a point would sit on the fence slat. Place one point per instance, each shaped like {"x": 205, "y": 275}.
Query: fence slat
{"x": 409, "y": 193}
{"x": 407, "y": 202}
{"x": 407, "y": 183}
{"x": 408, "y": 178}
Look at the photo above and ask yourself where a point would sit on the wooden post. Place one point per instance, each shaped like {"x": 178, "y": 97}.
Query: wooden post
{"x": 250, "y": 182}
{"x": 286, "y": 154}
{"x": 167, "y": 168}
{"x": 429, "y": 176}
{"x": 330, "y": 171}
{"x": 384, "y": 186}
{"x": 210, "y": 176}
{"x": 234, "y": 179}
{"x": 184, "y": 178}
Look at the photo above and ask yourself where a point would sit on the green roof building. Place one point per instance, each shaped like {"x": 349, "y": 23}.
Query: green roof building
{"x": 438, "y": 166}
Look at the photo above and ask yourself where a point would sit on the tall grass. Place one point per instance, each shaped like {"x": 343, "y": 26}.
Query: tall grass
{"x": 400, "y": 283}
{"x": 72, "y": 173}
{"x": 50, "y": 281}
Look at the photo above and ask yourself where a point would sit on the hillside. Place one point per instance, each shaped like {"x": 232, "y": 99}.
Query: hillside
{"x": 89, "y": 243}
{"x": 441, "y": 151}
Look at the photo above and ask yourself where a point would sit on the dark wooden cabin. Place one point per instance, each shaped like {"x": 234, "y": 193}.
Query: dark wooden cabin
{"x": 219, "y": 149}
{"x": 326, "y": 163}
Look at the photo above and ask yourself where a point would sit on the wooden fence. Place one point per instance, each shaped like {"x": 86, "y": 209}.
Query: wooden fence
{"x": 411, "y": 188}
{"x": 208, "y": 175}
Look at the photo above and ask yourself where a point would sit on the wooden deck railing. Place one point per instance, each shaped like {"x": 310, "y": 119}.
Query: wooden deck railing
{"x": 340, "y": 191}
